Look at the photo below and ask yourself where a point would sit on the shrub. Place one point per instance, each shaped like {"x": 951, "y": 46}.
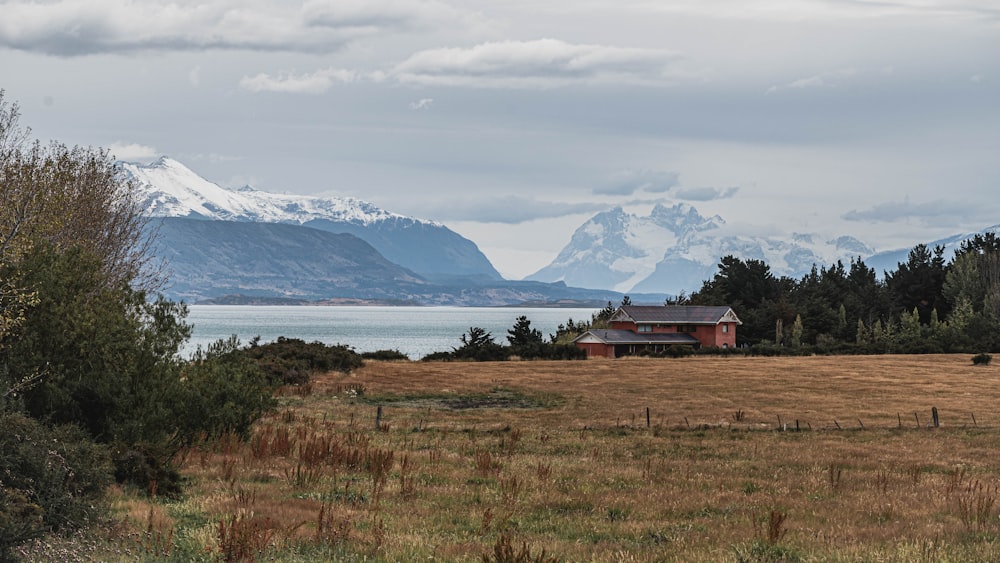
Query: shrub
{"x": 385, "y": 355}
{"x": 52, "y": 479}
{"x": 291, "y": 361}
{"x": 982, "y": 359}
{"x": 438, "y": 357}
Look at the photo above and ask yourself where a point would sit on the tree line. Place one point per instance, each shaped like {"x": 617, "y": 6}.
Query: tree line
{"x": 928, "y": 304}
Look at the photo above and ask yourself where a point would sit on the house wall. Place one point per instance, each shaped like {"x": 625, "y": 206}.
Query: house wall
{"x": 596, "y": 349}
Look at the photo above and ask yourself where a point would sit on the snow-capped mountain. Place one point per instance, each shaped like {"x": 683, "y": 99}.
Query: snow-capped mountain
{"x": 170, "y": 189}
{"x": 174, "y": 190}
{"x": 675, "y": 248}
{"x": 889, "y": 260}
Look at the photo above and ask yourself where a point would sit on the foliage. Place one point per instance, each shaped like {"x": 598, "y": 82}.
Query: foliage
{"x": 291, "y": 361}
{"x": 525, "y": 343}
{"x": 71, "y": 197}
{"x": 108, "y": 357}
{"x": 925, "y": 306}
{"x": 522, "y": 335}
{"x": 50, "y": 479}
{"x": 479, "y": 345}
{"x": 109, "y": 363}
{"x": 982, "y": 359}
{"x": 227, "y": 391}
{"x": 385, "y": 355}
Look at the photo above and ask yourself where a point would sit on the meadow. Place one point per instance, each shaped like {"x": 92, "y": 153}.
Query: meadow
{"x": 693, "y": 459}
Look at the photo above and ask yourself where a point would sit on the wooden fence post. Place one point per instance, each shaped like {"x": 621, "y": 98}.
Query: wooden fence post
{"x": 934, "y": 415}
{"x": 378, "y": 418}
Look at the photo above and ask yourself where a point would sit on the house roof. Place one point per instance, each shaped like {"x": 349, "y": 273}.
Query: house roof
{"x": 675, "y": 314}
{"x": 617, "y": 336}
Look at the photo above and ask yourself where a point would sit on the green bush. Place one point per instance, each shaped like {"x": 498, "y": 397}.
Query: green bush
{"x": 438, "y": 357}
{"x": 291, "y": 361}
{"x": 225, "y": 390}
{"x": 385, "y": 356}
{"x": 50, "y": 479}
{"x": 982, "y": 359}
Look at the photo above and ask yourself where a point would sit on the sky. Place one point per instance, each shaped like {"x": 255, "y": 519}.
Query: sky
{"x": 514, "y": 122}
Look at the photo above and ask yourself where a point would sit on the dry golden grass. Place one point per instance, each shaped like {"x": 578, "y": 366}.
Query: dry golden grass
{"x": 560, "y": 455}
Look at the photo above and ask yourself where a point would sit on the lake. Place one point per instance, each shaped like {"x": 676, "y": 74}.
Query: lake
{"x": 414, "y": 331}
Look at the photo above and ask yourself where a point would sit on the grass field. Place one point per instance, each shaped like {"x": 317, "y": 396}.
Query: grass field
{"x": 519, "y": 457}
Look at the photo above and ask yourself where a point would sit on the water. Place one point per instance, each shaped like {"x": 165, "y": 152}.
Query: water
{"x": 414, "y": 331}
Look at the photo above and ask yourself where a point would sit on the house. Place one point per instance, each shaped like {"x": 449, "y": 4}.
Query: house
{"x": 636, "y": 329}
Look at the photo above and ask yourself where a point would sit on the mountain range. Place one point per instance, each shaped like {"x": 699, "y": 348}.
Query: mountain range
{"x": 249, "y": 246}
{"x": 253, "y": 246}
{"x": 674, "y": 249}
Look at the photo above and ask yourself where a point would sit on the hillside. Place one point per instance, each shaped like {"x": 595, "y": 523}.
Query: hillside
{"x": 216, "y": 258}
{"x": 170, "y": 189}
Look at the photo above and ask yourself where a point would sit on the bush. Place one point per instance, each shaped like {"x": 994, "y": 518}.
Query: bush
{"x": 982, "y": 359}
{"x": 291, "y": 361}
{"x": 52, "y": 479}
{"x": 226, "y": 391}
{"x": 385, "y": 355}
{"x": 438, "y": 357}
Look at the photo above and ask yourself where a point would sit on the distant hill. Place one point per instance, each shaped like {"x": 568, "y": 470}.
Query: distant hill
{"x": 272, "y": 263}
{"x": 215, "y": 258}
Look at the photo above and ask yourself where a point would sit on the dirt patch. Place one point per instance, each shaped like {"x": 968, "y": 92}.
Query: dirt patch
{"x": 496, "y": 398}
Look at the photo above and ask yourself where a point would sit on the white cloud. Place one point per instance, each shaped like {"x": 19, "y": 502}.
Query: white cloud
{"x": 541, "y": 63}
{"x": 831, "y": 79}
{"x": 81, "y": 27}
{"x": 132, "y": 151}
{"x": 510, "y": 210}
{"x": 308, "y": 83}
{"x": 422, "y": 104}
{"x": 629, "y": 182}
{"x": 194, "y": 76}
{"x": 705, "y": 193}
{"x": 928, "y": 212}
{"x": 538, "y": 64}
{"x": 803, "y": 10}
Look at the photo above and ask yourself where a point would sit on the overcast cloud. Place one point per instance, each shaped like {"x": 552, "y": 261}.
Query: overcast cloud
{"x": 513, "y": 122}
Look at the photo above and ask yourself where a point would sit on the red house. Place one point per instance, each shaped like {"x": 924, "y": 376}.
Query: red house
{"x": 635, "y": 329}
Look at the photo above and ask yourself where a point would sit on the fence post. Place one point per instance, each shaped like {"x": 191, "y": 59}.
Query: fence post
{"x": 934, "y": 414}
{"x": 378, "y": 418}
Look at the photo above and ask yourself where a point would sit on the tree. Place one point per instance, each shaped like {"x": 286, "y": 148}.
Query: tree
{"x": 521, "y": 334}
{"x": 602, "y": 318}
{"x": 753, "y": 292}
{"x": 919, "y": 283}
{"x": 797, "y": 332}
{"x": 72, "y": 197}
{"x": 478, "y": 345}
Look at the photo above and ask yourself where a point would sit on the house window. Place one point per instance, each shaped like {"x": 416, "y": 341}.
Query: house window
{"x": 685, "y": 328}
{"x": 645, "y": 328}
{"x": 725, "y": 328}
